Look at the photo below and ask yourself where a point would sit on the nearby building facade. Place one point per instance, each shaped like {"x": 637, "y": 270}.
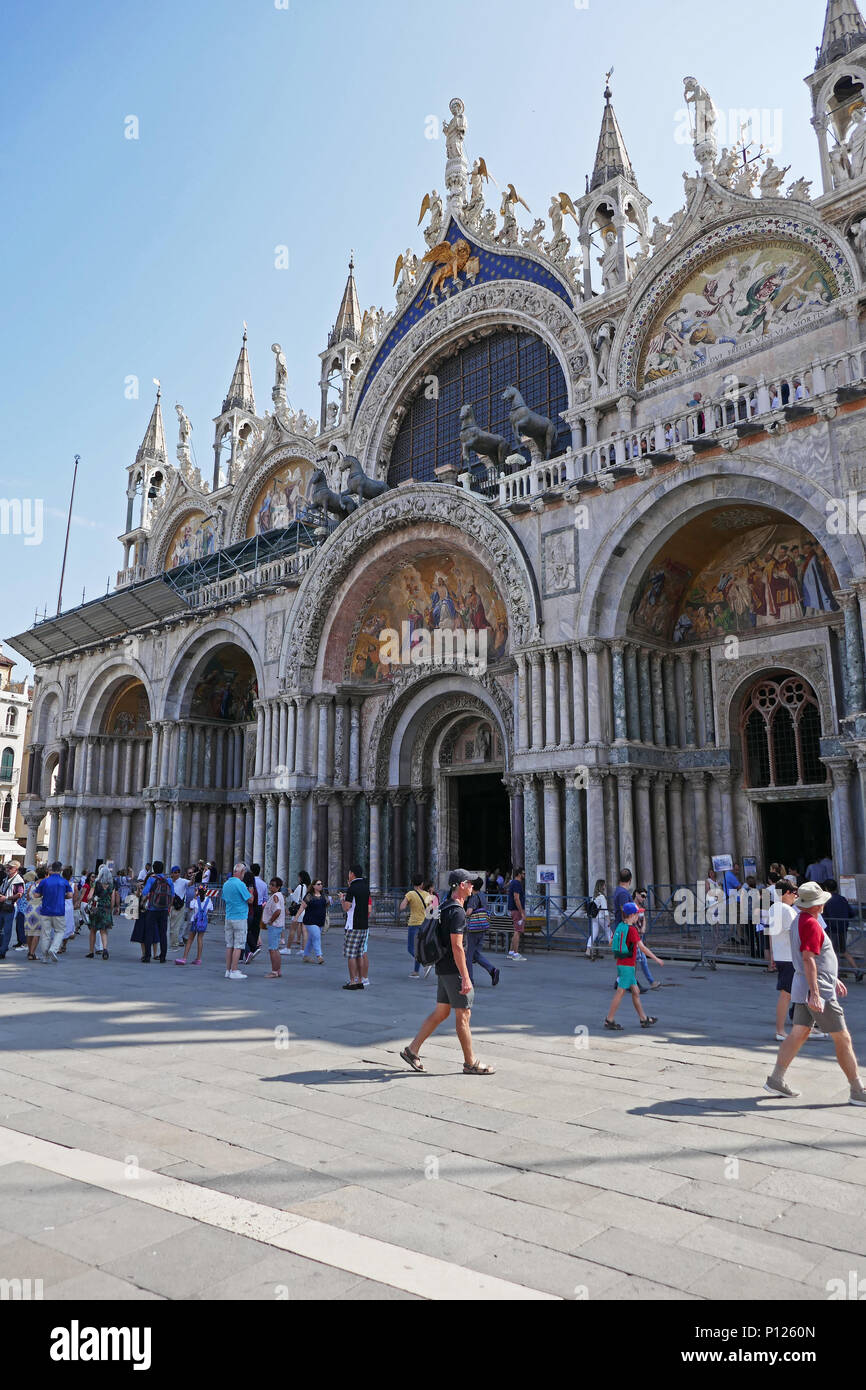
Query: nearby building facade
{"x": 653, "y": 539}
{"x": 15, "y": 699}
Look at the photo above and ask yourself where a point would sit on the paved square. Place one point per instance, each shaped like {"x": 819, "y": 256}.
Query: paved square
{"x": 165, "y": 1133}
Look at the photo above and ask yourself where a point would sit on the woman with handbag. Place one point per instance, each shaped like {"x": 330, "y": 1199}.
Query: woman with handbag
{"x": 103, "y": 903}
{"x": 314, "y": 910}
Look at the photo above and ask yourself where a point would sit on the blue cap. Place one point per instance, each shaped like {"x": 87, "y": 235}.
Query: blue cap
{"x": 175, "y": 868}
{"x": 629, "y": 909}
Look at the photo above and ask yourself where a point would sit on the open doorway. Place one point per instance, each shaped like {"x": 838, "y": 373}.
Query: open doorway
{"x": 795, "y": 833}
{"x": 483, "y": 822}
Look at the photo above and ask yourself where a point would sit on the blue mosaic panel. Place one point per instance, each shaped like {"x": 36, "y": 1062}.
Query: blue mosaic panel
{"x": 429, "y": 435}
{"x": 495, "y": 266}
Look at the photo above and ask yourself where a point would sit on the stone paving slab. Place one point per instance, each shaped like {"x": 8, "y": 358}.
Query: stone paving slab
{"x": 603, "y": 1169}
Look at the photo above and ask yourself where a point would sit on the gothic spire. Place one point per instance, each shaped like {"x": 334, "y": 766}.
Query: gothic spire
{"x": 153, "y": 444}
{"x": 348, "y": 325}
{"x": 240, "y": 396}
{"x": 843, "y": 30}
{"x": 611, "y": 157}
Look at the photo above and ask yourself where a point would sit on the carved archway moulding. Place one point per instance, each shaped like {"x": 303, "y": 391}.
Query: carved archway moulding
{"x": 171, "y": 518}
{"x": 489, "y": 701}
{"x": 734, "y": 678}
{"x": 190, "y": 658}
{"x": 94, "y": 700}
{"x": 513, "y": 305}
{"x": 774, "y": 223}
{"x": 397, "y": 511}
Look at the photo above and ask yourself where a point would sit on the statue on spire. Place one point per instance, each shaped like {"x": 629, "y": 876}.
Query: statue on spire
{"x": 456, "y": 169}
{"x": 706, "y": 116}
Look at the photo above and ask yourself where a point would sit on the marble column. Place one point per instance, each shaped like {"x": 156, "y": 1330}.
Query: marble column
{"x": 159, "y": 846}
{"x": 260, "y": 738}
{"x": 82, "y": 863}
{"x": 422, "y": 829}
{"x": 165, "y": 755}
{"x": 147, "y": 847}
{"x": 687, "y": 667}
{"x": 709, "y": 710}
{"x": 347, "y": 847}
{"x": 699, "y": 846}
{"x": 846, "y": 860}
{"x": 612, "y": 857}
{"x": 177, "y": 837}
{"x": 53, "y": 837}
{"x": 578, "y": 687}
{"x": 282, "y": 735}
{"x": 301, "y": 738}
{"x": 88, "y": 770}
{"x": 575, "y": 878}
{"x": 195, "y": 835}
{"x": 62, "y": 765}
{"x": 536, "y": 702}
{"x": 620, "y": 711}
{"x": 219, "y": 759}
{"x": 275, "y": 735}
{"x": 140, "y": 766}
{"x": 65, "y": 843}
{"x": 291, "y": 715}
{"x": 632, "y": 691}
{"x": 355, "y": 744}
{"x": 646, "y": 696}
{"x": 116, "y": 787}
{"x": 339, "y": 764}
{"x": 334, "y": 841}
{"x": 183, "y": 778}
{"x": 853, "y": 653}
{"x": 362, "y": 831}
{"x": 522, "y": 723}
{"x": 553, "y": 829}
{"x": 375, "y": 803}
{"x": 259, "y": 831}
{"x": 530, "y": 834}
{"x": 398, "y": 822}
{"x": 269, "y": 862}
{"x": 228, "y": 849}
{"x": 320, "y": 852}
{"x": 515, "y": 796}
{"x": 660, "y": 828}
{"x": 550, "y": 739}
{"x": 324, "y": 760}
{"x": 592, "y": 648}
{"x": 658, "y": 699}
{"x": 595, "y": 829}
{"x": 211, "y": 851}
{"x": 297, "y": 837}
{"x": 679, "y": 861}
{"x": 208, "y": 761}
{"x": 643, "y": 823}
{"x": 624, "y": 779}
{"x": 283, "y": 835}
{"x": 267, "y": 736}
{"x": 122, "y": 859}
{"x": 249, "y": 827}
{"x": 563, "y": 661}
{"x": 727, "y": 842}
{"x": 670, "y": 694}
{"x": 102, "y": 840}
{"x": 386, "y": 841}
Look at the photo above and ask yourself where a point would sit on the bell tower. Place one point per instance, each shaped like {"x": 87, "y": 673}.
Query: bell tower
{"x": 838, "y": 91}
{"x": 342, "y": 355}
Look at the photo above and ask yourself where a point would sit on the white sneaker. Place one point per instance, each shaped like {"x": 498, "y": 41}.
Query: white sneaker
{"x": 366, "y": 984}
{"x": 780, "y": 1037}
{"x": 284, "y": 952}
{"x": 236, "y": 975}
{"x": 228, "y": 974}
{"x": 516, "y": 956}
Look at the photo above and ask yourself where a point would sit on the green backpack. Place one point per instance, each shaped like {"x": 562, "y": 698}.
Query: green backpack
{"x": 619, "y": 944}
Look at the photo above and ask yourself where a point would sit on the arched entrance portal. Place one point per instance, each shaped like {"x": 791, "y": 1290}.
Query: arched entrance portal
{"x": 473, "y": 796}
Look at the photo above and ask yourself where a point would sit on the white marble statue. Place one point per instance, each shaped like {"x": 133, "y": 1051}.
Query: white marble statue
{"x": 455, "y": 130}
{"x": 839, "y": 165}
{"x": 611, "y": 276}
{"x": 799, "y": 190}
{"x": 433, "y": 204}
{"x": 856, "y": 144}
{"x": 726, "y": 166}
{"x": 772, "y": 178}
{"x": 282, "y": 374}
{"x": 601, "y": 345}
{"x": 706, "y": 117}
{"x": 745, "y": 179}
{"x": 659, "y": 234}
{"x": 535, "y": 236}
{"x": 857, "y": 233}
{"x": 332, "y": 414}
{"x": 405, "y": 275}
{"x": 184, "y": 427}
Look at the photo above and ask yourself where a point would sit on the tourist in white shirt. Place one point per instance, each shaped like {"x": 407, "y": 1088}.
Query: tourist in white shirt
{"x": 297, "y": 934}
{"x": 782, "y": 917}
{"x": 600, "y": 922}
{"x": 274, "y": 920}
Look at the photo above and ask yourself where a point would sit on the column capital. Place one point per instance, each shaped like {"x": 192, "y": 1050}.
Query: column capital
{"x": 528, "y": 780}
{"x": 846, "y": 598}
{"x": 534, "y": 658}
{"x": 399, "y": 797}
{"x": 625, "y": 774}
{"x": 642, "y": 781}
{"x": 619, "y": 644}
{"x": 591, "y": 645}
{"x": 549, "y": 780}
{"x": 597, "y": 776}
{"x": 841, "y": 770}
{"x": 298, "y": 796}
{"x": 695, "y": 778}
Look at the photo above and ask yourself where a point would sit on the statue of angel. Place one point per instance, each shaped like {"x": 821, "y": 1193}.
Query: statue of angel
{"x": 772, "y": 178}
{"x": 799, "y": 190}
{"x": 745, "y": 179}
{"x": 534, "y": 237}
{"x": 726, "y": 167}
{"x": 660, "y": 233}
{"x": 433, "y": 204}
{"x": 510, "y": 232}
{"x": 406, "y": 271}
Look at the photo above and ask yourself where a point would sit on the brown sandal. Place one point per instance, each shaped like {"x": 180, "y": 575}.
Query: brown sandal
{"x": 274, "y": 975}
{"x": 412, "y": 1059}
{"x": 477, "y": 1069}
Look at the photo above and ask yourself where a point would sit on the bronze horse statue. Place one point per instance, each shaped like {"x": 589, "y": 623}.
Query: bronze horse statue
{"x": 473, "y": 439}
{"x": 339, "y": 504}
{"x": 526, "y": 424}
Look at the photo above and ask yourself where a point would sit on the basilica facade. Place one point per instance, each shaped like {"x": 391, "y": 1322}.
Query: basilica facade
{"x": 567, "y": 572}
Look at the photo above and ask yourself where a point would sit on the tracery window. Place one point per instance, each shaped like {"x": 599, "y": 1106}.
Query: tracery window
{"x": 429, "y": 435}
{"x": 7, "y": 762}
{"x": 781, "y": 731}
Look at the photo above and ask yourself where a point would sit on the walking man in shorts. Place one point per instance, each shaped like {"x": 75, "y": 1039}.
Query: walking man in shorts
{"x": 815, "y": 994}
{"x": 356, "y": 905}
{"x": 517, "y": 911}
{"x": 455, "y": 987}
{"x": 783, "y": 917}
{"x": 236, "y": 897}
{"x": 626, "y": 939}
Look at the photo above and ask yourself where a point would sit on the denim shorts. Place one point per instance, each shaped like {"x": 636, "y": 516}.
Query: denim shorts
{"x": 274, "y": 934}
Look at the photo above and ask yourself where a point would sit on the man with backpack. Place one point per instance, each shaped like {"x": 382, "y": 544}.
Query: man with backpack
{"x": 416, "y": 903}
{"x": 156, "y": 900}
{"x": 624, "y": 945}
{"x": 440, "y": 942}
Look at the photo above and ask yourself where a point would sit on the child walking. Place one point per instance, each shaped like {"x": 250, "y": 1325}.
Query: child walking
{"x": 626, "y": 940}
{"x": 200, "y": 910}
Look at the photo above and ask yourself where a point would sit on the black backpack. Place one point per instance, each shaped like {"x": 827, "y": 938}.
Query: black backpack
{"x": 430, "y": 943}
{"x": 161, "y": 894}
{"x": 592, "y": 908}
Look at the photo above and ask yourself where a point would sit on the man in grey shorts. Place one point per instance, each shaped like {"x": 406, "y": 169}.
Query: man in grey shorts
{"x": 455, "y": 987}
{"x": 815, "y": 994}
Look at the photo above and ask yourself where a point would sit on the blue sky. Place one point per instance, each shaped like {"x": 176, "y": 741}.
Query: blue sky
{"x": 306, "y": 127}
